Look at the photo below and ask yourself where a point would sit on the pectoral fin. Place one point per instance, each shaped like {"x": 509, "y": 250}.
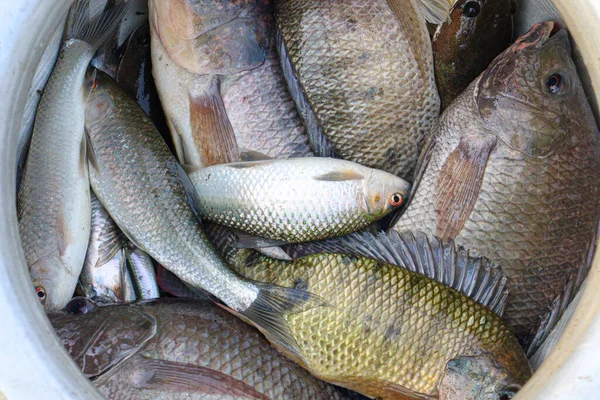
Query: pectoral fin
{"x": 180, "y": 377}
{"x": 459, "y": 183}
{"x": 212, "y": 132}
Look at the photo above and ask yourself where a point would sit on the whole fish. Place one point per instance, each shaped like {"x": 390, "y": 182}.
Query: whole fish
{"x": 393, "y": 333}
{"x": 54, "y": 197}
{"x": 362, "y": 76}
{"x": 151, "y": 199}
{"x": 178, "y": 349}
{"x": 220, "y": 82}
{"x": 513, "y": 173}
{"x": 297, "y": 200}
{"x": 104, "y": 274}
{"x": 463, "y": 46}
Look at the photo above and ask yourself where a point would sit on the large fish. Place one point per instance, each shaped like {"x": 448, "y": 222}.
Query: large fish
{"x": 54, "y": 198}
{"x": 220, "y": 82}
{"x": 464, "y": 45}
{"x": 362, "y": 76}
{"x": 393, "y": 333}
{"x": 178, "y": 349}
{"x": 514, "y": 174}
{"x": 151, "y": 199}
{"x": 297, "y": 200}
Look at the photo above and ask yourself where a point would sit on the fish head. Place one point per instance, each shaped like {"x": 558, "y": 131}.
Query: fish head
{"x": 51, "y": 280}
{"x": 531, "y": 97}
{"x": 384, "y": 193}
{"x": 213, "y": 37}
{"x": 99, "y": 337}
{"x": 479, "y": 377}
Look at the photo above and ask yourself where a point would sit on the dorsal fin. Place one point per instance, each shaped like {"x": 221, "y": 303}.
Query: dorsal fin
{"x": 452, "y": 265}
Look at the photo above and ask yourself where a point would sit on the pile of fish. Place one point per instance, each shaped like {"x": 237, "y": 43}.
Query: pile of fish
{"x": 393, "y": 200}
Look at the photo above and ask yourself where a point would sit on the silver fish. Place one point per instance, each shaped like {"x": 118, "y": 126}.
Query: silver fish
{"x": 150, "y": 197}
{"x": 143, "y": 273}
{"x": 54, "y": 197}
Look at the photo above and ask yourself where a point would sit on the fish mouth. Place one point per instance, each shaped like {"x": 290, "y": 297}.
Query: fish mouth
{"x": 541, "y": 34}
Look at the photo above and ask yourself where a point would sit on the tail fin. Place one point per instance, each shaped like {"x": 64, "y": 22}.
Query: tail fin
{"x": 93, "y": 31}
{"x": 267, "y": 311}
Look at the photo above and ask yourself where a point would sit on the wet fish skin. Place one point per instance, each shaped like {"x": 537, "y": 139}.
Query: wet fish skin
{"x": 143, "y": 273}
{"x": 463, "y": 46}
{"x": 260, "y": 113}
{"x": 366, "y": 70}
{"x": 216, "y": 356}
{"x": 532, "y": 174}
{"x": 388, "y": 332}
{"x": 297, "y": 200}
{"x": 53, "y": 203}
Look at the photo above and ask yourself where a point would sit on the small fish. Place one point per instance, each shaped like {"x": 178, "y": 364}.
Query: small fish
{"x": 220, "y": 82}
{"x": 104, "y": 271}
{"x": 143, "y": 273}
{"x": 362, "y": 76}
{"x": 393, "y": 333}
{"x": 513, "y": 173}
{"x": 298, "y": 199}
{"x": 149, "y": 196}
{"x": 129, "y": 352}
{"x": 54, "y": 198}
{"x": 463, "y": 46}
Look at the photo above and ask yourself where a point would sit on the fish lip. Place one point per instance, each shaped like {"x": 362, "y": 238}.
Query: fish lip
{"x": 540, "y": 34}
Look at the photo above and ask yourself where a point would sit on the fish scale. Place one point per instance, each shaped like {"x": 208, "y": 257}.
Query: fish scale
{"x": 373, "y": 100}
{"x": 383, "y": 323}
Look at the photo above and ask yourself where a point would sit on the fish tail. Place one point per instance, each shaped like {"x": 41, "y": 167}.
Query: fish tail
{"x": 93, "y": 30}
{"x": 268, "y": 309}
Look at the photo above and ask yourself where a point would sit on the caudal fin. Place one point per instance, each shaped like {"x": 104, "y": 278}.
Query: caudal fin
{"x": 95, "y": 30}
{"x": 267, "y": 314}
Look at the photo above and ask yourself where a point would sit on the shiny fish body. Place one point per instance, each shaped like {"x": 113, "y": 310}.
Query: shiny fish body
{"x": 143, "y": 188}
{"x": 387, "y": 332}
{"x": 183, "y": 350}
{"x": 366, "y": 71}
{"x": 533, "y": 215}
{"x": 296, "y": 200}
{"x": 143, "y": 273}
{"x": 256, "y": 103}
{"x": 104, "y": 267}
{"x": 54, "y": 198}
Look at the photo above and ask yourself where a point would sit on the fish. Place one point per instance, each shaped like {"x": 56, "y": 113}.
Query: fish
{"x": 513, "y": 173}
{"x": 178, "y": 349}
{"x": 220, "y": 81}
{"x": 362, "y": 77}
{"x": 464, "y": 45}
{"x": 393, "y": 333}
{"x": 150, "y": 197}
{"x": 143, "y": 273}
{"x": 171, "y": 284}
{"x": 298, "y": 199}
{"x": 104, "y": 274}
{"x": 53, "y": 206}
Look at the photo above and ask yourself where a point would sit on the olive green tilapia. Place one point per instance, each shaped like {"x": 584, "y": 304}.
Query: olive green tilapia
{"x": 393, "y": 333}
{"x": 178, "y": 349}
{"x": 297, "y": 200}
{"x": 514, "y": 174}
{"x": 465, "y": 44}
{"x": 53, "y": 203}
{"x": 149, "y": 196}
{"x": 220, "y": 82}
{"x": 362, "y": 76}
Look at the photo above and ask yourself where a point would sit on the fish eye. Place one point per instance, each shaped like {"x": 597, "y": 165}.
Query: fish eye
{"x": 79, "y": 305}
{"x": 41, "y": 293}
{"x": 396, "y": 199}
{"x": 554, "y": 83}
{"x": 509, "y": 392}
{"x": 471, "y": 9}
